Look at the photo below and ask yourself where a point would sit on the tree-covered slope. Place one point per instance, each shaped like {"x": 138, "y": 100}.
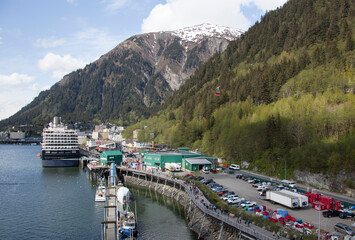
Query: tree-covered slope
{"x": 287, "y": 94}
{"x": 130, "y": 81}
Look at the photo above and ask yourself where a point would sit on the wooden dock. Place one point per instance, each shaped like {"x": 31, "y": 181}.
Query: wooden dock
{"x": 109, "y": 227}
{"x": 110, "y": 222}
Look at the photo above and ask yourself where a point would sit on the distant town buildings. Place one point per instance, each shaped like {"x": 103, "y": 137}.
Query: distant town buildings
{"x": 17, "y": 135}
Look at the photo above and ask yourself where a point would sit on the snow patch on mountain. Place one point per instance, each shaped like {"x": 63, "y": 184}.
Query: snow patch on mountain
{"x": 198, "y": 32}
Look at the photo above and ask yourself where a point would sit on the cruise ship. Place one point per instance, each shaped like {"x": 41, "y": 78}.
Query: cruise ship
{"x": 60, "y": 146}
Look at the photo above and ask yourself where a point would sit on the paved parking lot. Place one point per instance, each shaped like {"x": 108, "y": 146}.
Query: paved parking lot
{"x": 245, "y": 190}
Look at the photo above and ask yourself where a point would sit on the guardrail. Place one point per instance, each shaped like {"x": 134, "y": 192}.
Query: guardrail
{"x": 251, "y": 231}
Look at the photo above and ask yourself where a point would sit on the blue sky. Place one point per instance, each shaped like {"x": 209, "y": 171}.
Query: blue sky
{"x": 41, "y": 40}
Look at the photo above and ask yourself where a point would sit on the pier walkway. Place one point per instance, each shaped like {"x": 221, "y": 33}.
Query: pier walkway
{"x": 110, "y": 224}
{"x": 249, "y": 231}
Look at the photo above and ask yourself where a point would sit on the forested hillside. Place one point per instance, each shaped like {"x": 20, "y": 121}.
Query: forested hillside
{"x": 129, "y": 82}
{"x": 287, "y": 95}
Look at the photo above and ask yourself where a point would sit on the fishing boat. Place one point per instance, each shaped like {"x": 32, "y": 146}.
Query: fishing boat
{"x": 128, "y": 225}
{"x": 128, "y": 221}
{"x": 100, "y": 195}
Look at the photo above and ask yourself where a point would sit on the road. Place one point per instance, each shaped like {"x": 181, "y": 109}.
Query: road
{"x": 245, "y": 190}
{"x": 304, "y": 188}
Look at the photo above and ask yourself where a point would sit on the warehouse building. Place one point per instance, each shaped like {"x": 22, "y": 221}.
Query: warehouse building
{"x": 196, "y": 164}
{"x": 108, "y": 157}
{"x": 190, "y": 161}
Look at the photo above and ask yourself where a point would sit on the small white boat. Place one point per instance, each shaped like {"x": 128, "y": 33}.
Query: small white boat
{"x": 100, "y": 195}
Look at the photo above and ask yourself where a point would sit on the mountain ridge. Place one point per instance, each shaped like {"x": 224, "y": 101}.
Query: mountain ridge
{"x": 129, "y": 81}
{"x": 286, "y": 96}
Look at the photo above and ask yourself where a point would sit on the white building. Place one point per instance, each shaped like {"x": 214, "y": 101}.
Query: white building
{"x": 4, "y": 135}
{"x": 135, "y": 133}
{"x": 91, "y": 144}
{"x": 17, "y": 135}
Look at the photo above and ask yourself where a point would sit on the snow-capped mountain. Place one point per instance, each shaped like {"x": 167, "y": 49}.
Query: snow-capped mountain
{"x": 199, "y": 32}
{"x": 137, "y": 75}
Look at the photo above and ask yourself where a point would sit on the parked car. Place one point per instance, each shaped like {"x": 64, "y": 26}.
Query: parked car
{"x": 217, "y": 189}
{"x": 343, "y": 228}
{"x": 261, "y": 187}
{"x": 345, "y": 214}
{"x": 331, "y": 213}
{"x": 232, "y": 200}
{"x": 263, "y": 192}
{"x": 239, "y": 175}
{"x": 229, "y": 197}
{"x": 234, "y": 167}
{"x": 240, "y": 202}
{"x": 221, "y": 192}
{"x": 208, "y": 181}
{"x": 205, "y": 170}
{"x": 213, "y": 185}
{"x": 213, "y": 170}
{"x": 229, "y": 170}
{"x": 248, "y": 204}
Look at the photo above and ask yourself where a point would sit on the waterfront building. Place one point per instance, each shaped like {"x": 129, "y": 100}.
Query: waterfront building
{"x": 196, "y": 164}
{"x": 109, "y": 157}
{"x": 158, "y": 159}
{"x": 17, "y": 135}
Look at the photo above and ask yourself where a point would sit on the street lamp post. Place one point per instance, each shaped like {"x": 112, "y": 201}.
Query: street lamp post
{"x": 319, "y": 224}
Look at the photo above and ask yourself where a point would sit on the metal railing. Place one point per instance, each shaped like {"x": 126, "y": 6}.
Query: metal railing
{"x": 252, "y": 230}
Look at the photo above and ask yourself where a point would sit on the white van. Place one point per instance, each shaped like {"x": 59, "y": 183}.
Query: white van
{"x": 234, "y": 166}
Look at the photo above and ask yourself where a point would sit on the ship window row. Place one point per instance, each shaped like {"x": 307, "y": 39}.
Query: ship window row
{"x": 48, "y": 144}
{"x": 49, "y": 138}
{"x": 60, "y": 147}
{"x": 59, "y": 141}
{"x": 65, "y": 136}
{"x": 61, "y": 134}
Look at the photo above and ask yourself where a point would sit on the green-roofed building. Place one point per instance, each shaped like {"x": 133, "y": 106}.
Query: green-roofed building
{"x": 159, "y": 159}
{"x": 197, "y": 164}
{"x": 108, "y": 157}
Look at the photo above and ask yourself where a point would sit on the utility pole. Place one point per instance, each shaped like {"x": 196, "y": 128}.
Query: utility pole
{"x": 285, "y": 168}
{"x": 319, "y": 226}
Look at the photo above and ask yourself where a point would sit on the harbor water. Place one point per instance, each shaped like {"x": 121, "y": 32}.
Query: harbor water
{"x": 58, "y": 203}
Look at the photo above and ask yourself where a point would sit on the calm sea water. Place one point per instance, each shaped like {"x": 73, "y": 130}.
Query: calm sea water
{"x": 58, "y": 203}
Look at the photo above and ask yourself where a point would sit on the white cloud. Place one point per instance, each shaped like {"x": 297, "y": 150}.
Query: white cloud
{"x": 71, "y": 1}
{"x": 1, "y": 42}
{"x": 12, "y": 100}
{"x": 49, "y": 43}
{"x": 269, "y": 4}
{"x": 36, "y": 87}
{"x": 176, "y": 14}
{"x": 58, "y": 65}
{"x": 15, "y": 79}
{"x": 96, "y": 40}
{"x": 113, "y": 5}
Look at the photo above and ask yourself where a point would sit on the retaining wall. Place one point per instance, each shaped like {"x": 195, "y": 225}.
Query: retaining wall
{"x": 205, "y": 226}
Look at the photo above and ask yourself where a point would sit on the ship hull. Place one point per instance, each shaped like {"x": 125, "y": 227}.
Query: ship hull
{"x": 129, "y": 232}
{"x": 60, "y": 163}
{"x": 60, "y": 159}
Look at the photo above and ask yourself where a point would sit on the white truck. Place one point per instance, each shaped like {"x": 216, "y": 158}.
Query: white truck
{"x": 302, "y": 199}
{"x": 287, "y": 198}
{"x": 173, "y": 167}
